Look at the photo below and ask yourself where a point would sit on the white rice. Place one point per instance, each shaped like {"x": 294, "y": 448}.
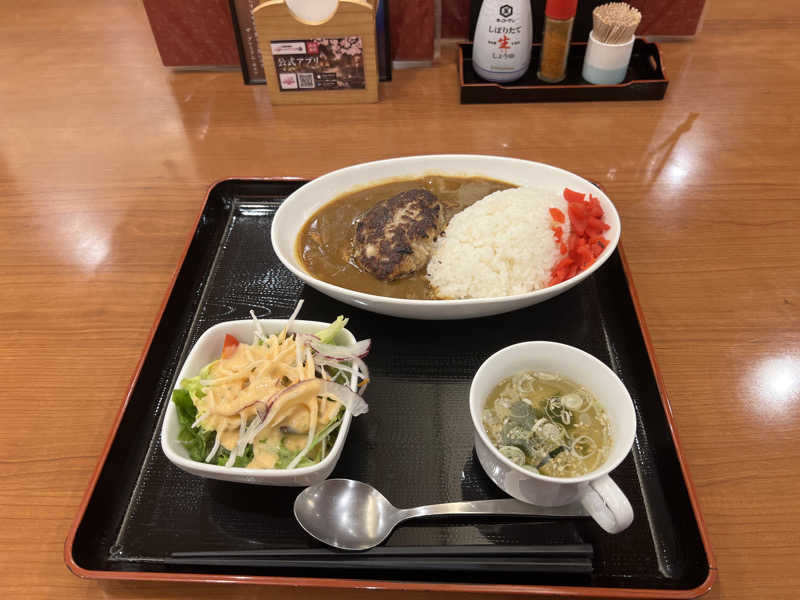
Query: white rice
{"x": 500, "y": 246}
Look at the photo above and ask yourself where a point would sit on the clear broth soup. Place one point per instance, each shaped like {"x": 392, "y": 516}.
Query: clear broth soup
{"x": 546, "y": 423}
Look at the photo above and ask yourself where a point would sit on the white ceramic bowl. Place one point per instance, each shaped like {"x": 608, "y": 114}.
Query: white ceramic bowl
{"x": 206, "y": 350}
{"x": 596, "y": 491}
{"x": 295, "y": 211}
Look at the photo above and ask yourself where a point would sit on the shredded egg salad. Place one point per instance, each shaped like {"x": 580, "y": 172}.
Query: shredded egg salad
{"x": 274, "y": 404}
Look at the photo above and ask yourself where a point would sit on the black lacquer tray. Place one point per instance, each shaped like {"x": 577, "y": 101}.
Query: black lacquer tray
{"x": 644, "y": 80}
{"x": 415, "y": 444}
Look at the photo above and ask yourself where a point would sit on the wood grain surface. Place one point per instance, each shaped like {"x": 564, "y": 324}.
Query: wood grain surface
{"x": 105, "y": 157}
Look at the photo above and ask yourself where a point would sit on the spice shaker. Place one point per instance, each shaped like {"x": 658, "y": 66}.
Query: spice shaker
{"x": 501, "y": 49}
{"x": 558, "y": 18}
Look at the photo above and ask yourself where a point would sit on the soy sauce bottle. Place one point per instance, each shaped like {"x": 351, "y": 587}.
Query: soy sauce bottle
{"x": 501, "y": 49}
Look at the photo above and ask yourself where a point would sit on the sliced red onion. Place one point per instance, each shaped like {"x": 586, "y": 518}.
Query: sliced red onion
{"x": 351, "y": 353}
{"x": 321, "y": 361}
{"x": 358, "y": 370}
{"x": 359, "y": 349}
{"x": 256, "y": 425}
{"x": 245, "y": 407}
{"x": 305, "y": 338}
{"x": 351, "y": 401}
{"x": 278, "y": 395}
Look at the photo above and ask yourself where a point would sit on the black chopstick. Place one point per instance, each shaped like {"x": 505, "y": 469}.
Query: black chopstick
{"x": 561, "y": 565}
{"x": 552, "y": 550}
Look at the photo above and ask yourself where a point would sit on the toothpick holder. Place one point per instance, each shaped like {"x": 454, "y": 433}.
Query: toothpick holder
{"x": 606, "y": 64}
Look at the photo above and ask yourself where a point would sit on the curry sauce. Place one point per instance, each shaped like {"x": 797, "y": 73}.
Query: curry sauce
{"x": 325, "y": 243}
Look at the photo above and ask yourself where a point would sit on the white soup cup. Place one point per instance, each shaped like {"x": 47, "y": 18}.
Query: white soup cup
{"x": 596, "y": 491}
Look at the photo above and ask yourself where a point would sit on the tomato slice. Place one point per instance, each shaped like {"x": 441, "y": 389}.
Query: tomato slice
{"x": 229, "y": 346}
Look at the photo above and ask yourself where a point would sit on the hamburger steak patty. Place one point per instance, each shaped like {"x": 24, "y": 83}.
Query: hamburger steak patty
{"x": 395, "y": 237}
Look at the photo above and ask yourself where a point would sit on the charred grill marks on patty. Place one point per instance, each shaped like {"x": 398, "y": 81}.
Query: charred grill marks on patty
{"x": 395, "y": 237}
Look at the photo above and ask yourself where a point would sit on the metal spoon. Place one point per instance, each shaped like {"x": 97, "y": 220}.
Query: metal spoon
{"x": 352, "y": 515}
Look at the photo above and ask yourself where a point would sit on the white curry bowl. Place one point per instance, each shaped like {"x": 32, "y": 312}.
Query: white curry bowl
{"x": 596, "y": 491}
{"x": 206, "y": 350}
{"x": 298, "y": 208}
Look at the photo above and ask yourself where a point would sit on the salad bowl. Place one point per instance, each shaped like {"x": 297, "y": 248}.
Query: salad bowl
{"x": 206, "y": 350}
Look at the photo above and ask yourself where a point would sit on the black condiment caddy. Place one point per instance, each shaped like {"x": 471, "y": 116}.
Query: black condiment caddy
{"x": 645, "y": 79}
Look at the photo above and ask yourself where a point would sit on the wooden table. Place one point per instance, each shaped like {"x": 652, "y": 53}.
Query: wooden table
{"x": 105, "y": 157}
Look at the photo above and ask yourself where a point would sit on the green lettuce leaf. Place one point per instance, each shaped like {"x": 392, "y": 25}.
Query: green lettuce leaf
{"x": 198, "y": 442}
{"x": 193, "y": 385}
{"x": 285, "y": 456}
{"x": 223, "y": 455}
{"x": 327, "y": 335}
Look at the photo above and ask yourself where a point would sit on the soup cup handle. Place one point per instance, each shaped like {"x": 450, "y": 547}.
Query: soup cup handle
{"x": 607, "y": 505}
